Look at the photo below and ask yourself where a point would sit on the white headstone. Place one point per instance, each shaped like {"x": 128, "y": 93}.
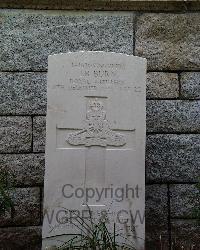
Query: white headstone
{"x": 95, "y": 144}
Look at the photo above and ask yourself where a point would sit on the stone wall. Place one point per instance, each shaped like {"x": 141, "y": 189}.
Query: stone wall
{"x": 171, "y": 43}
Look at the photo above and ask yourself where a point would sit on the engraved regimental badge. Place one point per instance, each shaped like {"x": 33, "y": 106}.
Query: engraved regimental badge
{"x": 97, "y": 131}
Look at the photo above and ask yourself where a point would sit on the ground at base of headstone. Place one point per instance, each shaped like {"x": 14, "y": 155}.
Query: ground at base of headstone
{"x": 94, "y": 236}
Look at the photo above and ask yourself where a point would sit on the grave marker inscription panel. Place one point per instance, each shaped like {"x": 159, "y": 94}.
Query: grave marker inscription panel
{"x": 95, "y": 144}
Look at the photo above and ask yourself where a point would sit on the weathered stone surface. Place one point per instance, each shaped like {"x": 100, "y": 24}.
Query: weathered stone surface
{"x": 26, "y": 208}
{"x": 42, "y": 203}
{"x": 15, "y": 134}
{"x": 190, "y": 85}
{"x": 23, "y": 169}
{"x": 23, "y": 93}
{"x": 169, "y": 41}
{"x": 173, "y": 116}
{"x": 185, "y": 234}
{"x": 156, "y": 216}
{"x": 39, "y": 133}
{"x": 184, "y": 200}
{"x": 18, "y": 238}
{"x": 29, "y": 37}
{"x": 5, "y": 218}
{"x": 173, "y": 158}
{"x": 162, "y": 85}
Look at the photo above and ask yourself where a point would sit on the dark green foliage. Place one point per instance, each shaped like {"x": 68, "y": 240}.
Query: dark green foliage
{"x": 5, "y": 188}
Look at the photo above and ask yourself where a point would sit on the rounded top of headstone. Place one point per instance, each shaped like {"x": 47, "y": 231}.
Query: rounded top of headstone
{"x": 96, "y": 52}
